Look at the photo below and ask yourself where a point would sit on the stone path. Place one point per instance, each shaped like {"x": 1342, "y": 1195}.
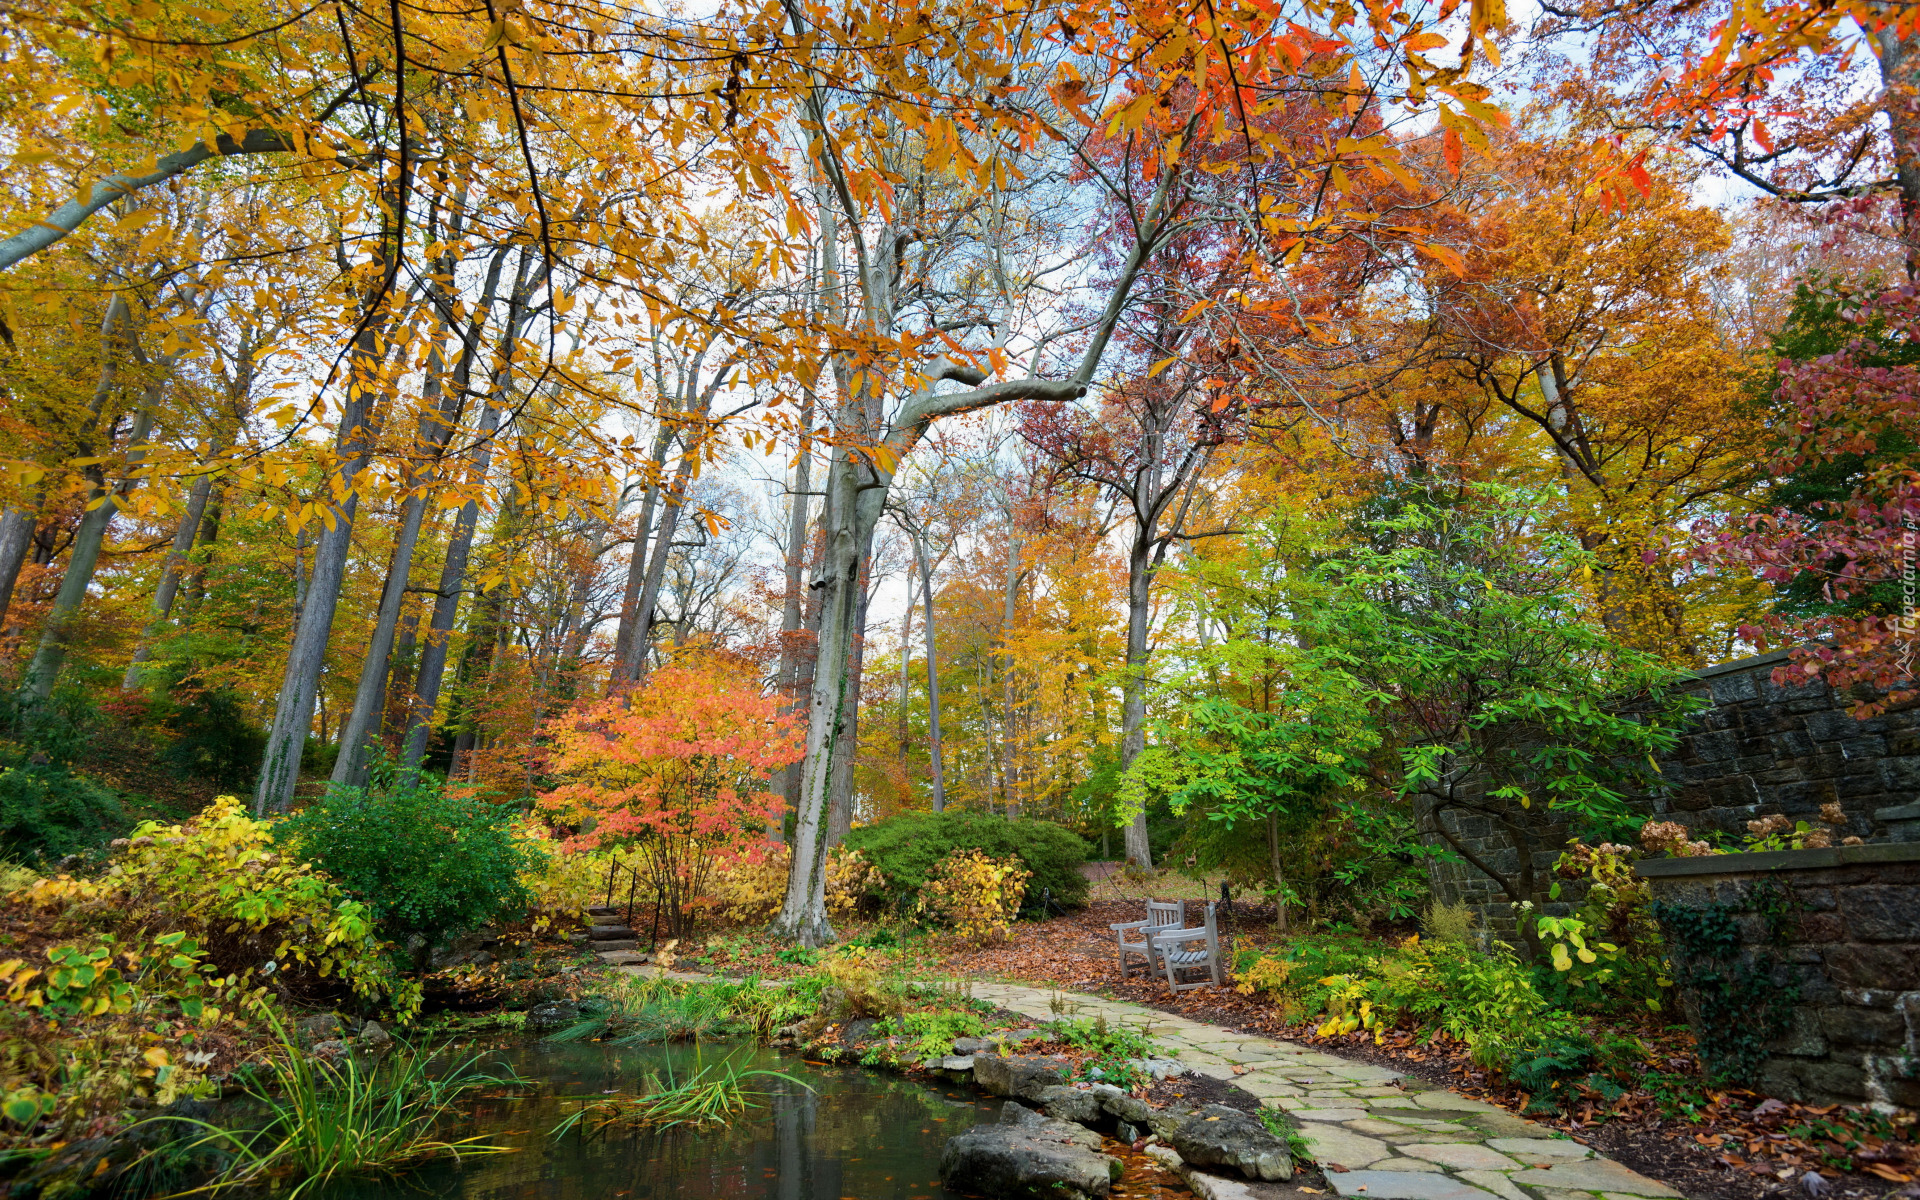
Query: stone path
{"x": 1398, "y": 1138}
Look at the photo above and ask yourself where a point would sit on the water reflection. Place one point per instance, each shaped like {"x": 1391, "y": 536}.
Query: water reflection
{"x": 855, "y": 1134}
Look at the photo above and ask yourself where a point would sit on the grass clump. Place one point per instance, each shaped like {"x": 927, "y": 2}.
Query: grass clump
{"x": 323, "y": 1122}
{"x": 716, "y": 1094}
{"x": 1112, "y": 1050}
{"x": 638, "y": 1010}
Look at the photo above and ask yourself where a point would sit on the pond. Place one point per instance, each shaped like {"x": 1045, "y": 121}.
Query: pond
{"x": 856, "y": 1133}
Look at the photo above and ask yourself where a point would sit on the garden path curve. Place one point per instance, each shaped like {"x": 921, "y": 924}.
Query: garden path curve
{"x": 1396, "y": 1137}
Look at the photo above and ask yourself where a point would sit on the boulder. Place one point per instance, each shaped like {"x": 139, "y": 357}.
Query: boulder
{"x": 858, "y": 1031}
{"x": 333, "y": 1051}
{"x": 956, "y": 1062}
{"x": 971, "y": 1045}
{"x": 1023, "y": 1076}
{"x": 1130, "y": 1109}
{"x": 1028, "y": 1155}
{"x": 1160, "y": 1068}
{"x": 325, "y": 1027}
{"x": 373, "y": 1039}
{"x": 552, "y": 1015}
{"x": 1165, "y": 1122}
{"x": 1070, "y": 1104}
{"x": 1218, "y": 1136}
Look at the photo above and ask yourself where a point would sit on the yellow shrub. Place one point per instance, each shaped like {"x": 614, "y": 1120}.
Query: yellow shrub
{"x": 563, "y": 886}
{"x": 976, "y": 896}
{"x": 256, "y": 912}
{"x": 1265, "y": 975}
{"x": 749, "y": 891}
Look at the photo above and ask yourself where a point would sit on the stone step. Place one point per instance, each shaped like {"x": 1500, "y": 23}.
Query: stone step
{"x": 612, "y": 948}
{"x": 601, "y": 910}
{"x": 601, "y": 933}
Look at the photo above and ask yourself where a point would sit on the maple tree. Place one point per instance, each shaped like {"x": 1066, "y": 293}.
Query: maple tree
{"x": 674, "y": 773}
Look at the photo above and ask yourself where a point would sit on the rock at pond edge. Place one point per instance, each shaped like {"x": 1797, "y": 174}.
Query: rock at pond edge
{"x": 1028, "y": 1155}
{"x": 1218, "y": 1136}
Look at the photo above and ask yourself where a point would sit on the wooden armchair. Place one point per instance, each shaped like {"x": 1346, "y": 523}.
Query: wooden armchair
{"x": 1185, "y": 951}
{"x": 1161, "y": 914}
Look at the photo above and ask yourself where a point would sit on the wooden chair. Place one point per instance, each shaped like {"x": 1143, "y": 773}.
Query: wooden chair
{"x": 1161, "y": 914}
{"x": 1184, "y": 951}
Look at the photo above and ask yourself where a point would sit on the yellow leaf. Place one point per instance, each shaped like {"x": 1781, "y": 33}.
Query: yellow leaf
{"x": 1162, "y": 365}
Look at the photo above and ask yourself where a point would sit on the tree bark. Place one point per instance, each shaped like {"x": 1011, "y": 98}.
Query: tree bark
{"x": 16, "y": 537}
{"x": 171, "y": 574}
{"x": 840, "y": 808}
{"x": 1133, "y": 709}
{"x": 787, "y": 677}
{"x": 933, "y": 680}
{"x": 44, "y": 671}
{"x": 436, "y": 427}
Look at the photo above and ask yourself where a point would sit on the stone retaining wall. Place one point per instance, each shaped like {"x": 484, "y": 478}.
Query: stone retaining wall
{"x": 1838, "y": 933}
{"x": 1761, "y": 748}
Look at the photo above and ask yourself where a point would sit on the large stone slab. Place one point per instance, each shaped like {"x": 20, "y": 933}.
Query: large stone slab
{"x": 1405, "y": 1185}
{"x": 1593, "y": 1175}
{"x": 1330, "y": 1144}
{"x": 1028, "y": 1155}
{"x": 1461, "y": 1156}
{"x": 1023, "y": 1076}
{"x": 1529, "y": 1148}
{"x": 1329, "y": 1114}
{"x": 1221, "y": 1137}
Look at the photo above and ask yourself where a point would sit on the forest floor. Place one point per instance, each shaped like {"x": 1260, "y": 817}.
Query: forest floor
{"x": 1710, "y": 1144}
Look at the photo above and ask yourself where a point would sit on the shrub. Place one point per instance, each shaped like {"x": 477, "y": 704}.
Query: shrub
{"x": 1484, "y": 998}
{"x": 256, "y": 912}
{"x": 674, "y": 775}
{"x": 749, "y": 889}
{"x": 975, "y": 896}
{"x": 49, "y": 811}
{"x": 905, "y": 849}
{"x": 432, "y": 865}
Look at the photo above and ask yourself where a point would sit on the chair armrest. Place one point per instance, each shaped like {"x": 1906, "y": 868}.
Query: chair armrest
{"x": 1178, "y": 935}
{"x": 1125, "y": 925}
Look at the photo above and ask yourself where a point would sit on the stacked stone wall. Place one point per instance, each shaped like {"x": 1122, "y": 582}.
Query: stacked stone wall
{"x": 1758, "y": 748}
{"x": 1839, "y": 932}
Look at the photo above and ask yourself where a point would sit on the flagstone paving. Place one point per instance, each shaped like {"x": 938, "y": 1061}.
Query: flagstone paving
{"x": 1377, "y": 1133}
{"x": 1397, "y": 1138}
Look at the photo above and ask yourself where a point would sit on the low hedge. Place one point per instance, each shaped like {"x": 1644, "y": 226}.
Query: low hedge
{"x": 906, "y": 847}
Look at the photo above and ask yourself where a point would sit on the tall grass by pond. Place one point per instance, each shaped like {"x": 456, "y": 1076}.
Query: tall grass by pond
{"x": 639, "y": 1010}
{"x": 716, "y": 1094}
{"x": 322, "y": 1121}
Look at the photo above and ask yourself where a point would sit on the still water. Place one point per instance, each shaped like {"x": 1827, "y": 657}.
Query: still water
{"x": 856, "y": 1133}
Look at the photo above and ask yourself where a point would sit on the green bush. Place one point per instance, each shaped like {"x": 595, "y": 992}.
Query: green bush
{"x": 432, "y": 866}
{"x": 1484, "y": 998}
{"x": 46, "y": 810}
{"x": 906, "y": 847}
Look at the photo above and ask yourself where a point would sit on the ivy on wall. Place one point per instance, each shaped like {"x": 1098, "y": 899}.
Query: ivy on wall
{"x": 1737, "y": 999}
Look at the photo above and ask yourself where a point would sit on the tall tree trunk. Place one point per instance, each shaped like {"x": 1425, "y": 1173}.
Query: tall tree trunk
{"x": 1009, "y": 609}
{"x": 933, "y": 681}
{"x": 1279, "y": 874}
{"x": 307, "y": 656}
{"x": 847, "y": 745}
{"x": 442, "y": 408}
{"x": 675, "y": 501}
{"x": 44, "y": 671}
{"x": 209, "y": 536}
{"x": 852, "y": 513}
{"x": 1133, "y": 710}
{"x": 624, "y": 639}
{"x": 792, "y": 607}
{"x": 171, "y": 574}
{"x": 446, "y": 605}
{"x": 16, "y": 537}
